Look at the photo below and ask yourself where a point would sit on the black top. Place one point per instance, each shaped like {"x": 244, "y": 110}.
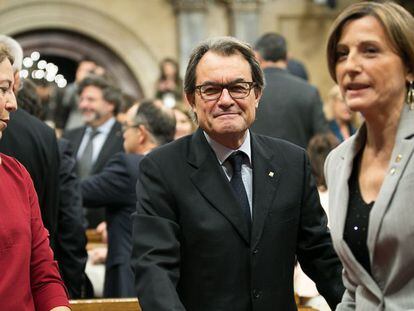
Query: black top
{"x": 356, "y": 225}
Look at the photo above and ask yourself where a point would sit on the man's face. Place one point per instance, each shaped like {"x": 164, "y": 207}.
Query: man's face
{"x": 85, "y": 68}
{"x": 95, "y": 110}
{"x": 225, "y": 119}
{"x": 131, "y": 132}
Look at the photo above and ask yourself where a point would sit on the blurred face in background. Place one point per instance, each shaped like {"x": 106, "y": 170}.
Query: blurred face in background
{"x": 85, "y": 68}
{"x": 94, "y": 108}
{"x": 184, "y": 125}
{"x": 341, "y": 111}
{"x": 131, "y": 132}
{"x": 7, "y": 98}
{"x": 169, "y": 69}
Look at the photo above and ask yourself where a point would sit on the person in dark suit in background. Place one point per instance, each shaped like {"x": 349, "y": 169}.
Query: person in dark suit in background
{"x": 297, "y": 68}
{"x": 34, "y": 144}
{"x": 71, "y": 240}
{"x": 146, "y": 127}
{"x": 290, "y": 108}
{"x": 222, "y": 214}
{"x": 96, "y": 142}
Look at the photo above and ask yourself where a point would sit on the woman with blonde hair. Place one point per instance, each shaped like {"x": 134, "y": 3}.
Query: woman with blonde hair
{"x": 342, "y": 121}
{"x": 29, "y": 277}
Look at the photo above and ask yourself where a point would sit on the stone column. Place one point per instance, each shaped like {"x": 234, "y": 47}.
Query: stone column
{"x": 244, "y": 19}
{"x": 191, "y": 27}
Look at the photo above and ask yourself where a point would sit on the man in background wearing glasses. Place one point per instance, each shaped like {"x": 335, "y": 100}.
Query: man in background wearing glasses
{"x": 223, "y": 213}
{"x": 147, "y": 126}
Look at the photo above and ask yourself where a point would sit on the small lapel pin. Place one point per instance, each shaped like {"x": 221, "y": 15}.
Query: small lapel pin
{"x": 271, "y": 174}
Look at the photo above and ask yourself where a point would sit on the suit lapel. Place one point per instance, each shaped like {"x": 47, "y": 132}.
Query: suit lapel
{"x": 77, "y": 139}
{"x": 213, "y": 185}
{"x": 108, "y": 147}
{"x": 403, "y": 149}
{"x": 266, "y": 174}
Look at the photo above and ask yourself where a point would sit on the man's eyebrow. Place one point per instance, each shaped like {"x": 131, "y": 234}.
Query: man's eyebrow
{"x": 216, "y": 83}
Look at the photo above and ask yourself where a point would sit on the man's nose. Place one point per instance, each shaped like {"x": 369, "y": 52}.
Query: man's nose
{"x": 225, "y": 98}
{"x": 83, "y": 103}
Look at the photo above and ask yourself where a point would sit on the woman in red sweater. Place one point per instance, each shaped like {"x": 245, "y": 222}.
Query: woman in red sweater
{"x": 29, "y": 277}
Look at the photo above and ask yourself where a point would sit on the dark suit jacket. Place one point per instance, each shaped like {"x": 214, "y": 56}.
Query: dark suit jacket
{"x": 34, "y": 144}
{"x": 71, "y": 240}
{"x": 191, "y": 249}
{"x": 112, "y": 145}
{"x": 114, "y": 187}
{"x": 290, "y": 108}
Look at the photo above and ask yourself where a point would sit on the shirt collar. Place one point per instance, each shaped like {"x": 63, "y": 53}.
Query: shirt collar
{"x": 222, "y": 152}
{"x": 104, "y": 128}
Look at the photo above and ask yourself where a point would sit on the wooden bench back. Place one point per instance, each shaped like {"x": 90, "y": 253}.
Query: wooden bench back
{"x": 121, "y": 304}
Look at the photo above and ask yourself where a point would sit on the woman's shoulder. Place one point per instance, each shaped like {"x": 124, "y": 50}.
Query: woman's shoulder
{"x": 13, "y": 167}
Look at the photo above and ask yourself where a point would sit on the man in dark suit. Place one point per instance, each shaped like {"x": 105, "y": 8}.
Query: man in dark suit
{"x": 290, "y": 108}
{"x": 34, "y": 144}
{"x": 223, "y": 214}
{"x": 95, "y": 143}
{"x": 147, "y": 126}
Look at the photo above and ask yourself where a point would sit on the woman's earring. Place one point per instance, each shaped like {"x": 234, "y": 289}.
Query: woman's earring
{"x": 410, "y": 95}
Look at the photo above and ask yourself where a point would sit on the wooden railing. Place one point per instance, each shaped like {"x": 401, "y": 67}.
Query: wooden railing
{"x": 122, "y": 304}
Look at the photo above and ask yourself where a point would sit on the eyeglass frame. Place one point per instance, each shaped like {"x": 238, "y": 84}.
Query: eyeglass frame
{"x": 251, "y": 84}
{"x": 125, "y": 127}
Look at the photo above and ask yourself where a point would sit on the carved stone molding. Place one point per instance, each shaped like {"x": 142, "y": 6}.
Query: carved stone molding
{"x": 189, "y": 5}
{"x": 21, "y": 17}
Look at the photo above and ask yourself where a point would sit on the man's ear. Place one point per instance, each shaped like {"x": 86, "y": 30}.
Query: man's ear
{"x": 191, "y": 100}
{"x": 16, "y": 85}
{"x": 142, "y": 134}
{"x": 258, "y": 94}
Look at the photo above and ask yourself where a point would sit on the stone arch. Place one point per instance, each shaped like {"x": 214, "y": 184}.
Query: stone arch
{"x": 101, "y": 28}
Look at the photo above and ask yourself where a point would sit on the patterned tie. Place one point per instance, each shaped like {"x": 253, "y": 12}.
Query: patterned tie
{"x": 85, "y": 162}
{"x": 236, "y": 182}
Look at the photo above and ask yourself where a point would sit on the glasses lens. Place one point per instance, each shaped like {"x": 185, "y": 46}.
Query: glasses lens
{"x": 209, "y": 92}
{"x": 239, "y": 90}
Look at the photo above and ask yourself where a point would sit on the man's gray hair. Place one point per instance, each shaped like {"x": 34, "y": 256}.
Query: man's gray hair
{"x": 15, "y": 50}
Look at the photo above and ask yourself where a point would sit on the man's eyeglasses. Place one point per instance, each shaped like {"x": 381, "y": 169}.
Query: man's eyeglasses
{"x": 125, "y": 126}
{"x": 237, "y": 90}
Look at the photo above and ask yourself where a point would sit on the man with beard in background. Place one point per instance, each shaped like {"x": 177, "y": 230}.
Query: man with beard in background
{"x": 101, "y": 137}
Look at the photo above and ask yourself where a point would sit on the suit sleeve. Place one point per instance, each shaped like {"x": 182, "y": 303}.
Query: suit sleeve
{"x": 47, "y": 287}
{"x": 70, "y": 247}
{"x": 348, "y": 299}
{"x": 315, "y": 251}
{"x": 109, "y": 187}
{"x": 156, "y": 242}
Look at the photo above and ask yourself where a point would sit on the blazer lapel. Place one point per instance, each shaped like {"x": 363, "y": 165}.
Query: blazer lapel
{"x": 403, "y": 149}
{"x": 213, "y": 185}
{"x": 266, "y": 174}
{"x": 338, "y": 210}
